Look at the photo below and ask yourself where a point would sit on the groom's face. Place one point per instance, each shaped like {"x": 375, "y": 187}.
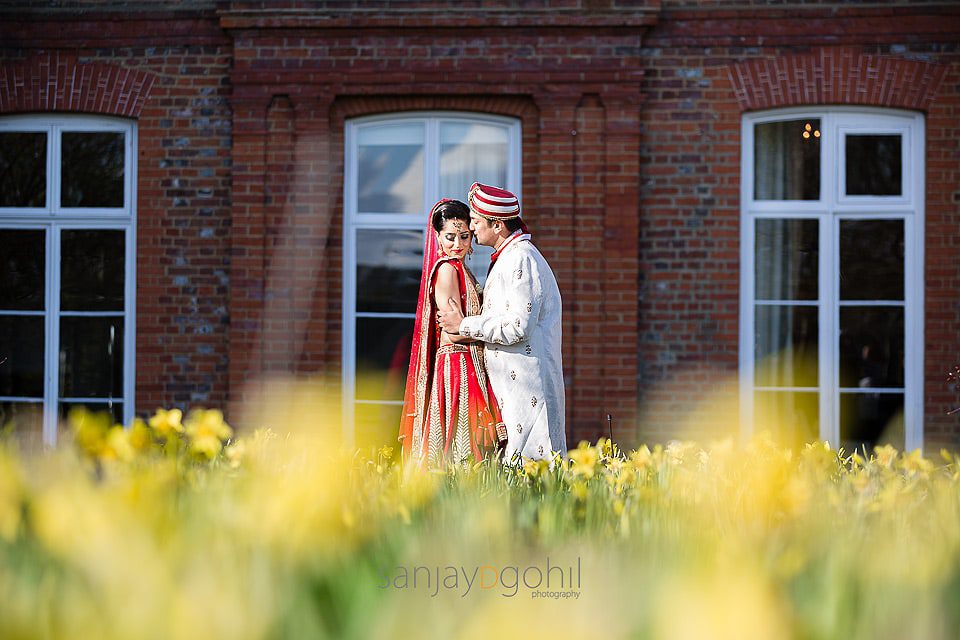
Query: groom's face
{"x": 483, "y": 230}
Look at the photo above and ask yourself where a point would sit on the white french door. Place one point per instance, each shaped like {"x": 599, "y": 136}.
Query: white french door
{"x": 67, "y": 298}
{"x": 831, "y": 282}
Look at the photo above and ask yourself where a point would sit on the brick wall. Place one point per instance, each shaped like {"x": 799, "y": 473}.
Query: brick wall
{"x": 689, "y": 238}
{"x": 942, "y": 246}
{"x": 183, "y": 229}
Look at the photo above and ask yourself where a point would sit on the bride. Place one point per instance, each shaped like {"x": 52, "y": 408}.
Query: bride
{"x": 449, "y": 411}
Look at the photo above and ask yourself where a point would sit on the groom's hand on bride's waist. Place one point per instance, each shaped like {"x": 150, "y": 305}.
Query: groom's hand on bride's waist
{"x": 450, "y": 318}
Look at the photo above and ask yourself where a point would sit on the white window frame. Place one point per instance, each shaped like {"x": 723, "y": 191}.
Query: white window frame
{"x": 354, "y": 221}
{"x": 832, "y": 207}
{"x": 53, "y": 219}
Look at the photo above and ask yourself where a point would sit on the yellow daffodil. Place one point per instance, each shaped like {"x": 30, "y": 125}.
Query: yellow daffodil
{"x": 641, "y": 459}
{"x": 614, "y": 465}
{"x": 117, "y": 445}
{"x": 607, "y": 448}
{"x": 207, "y": 431}
{"x": 535, "y": 469}
{"x": 167, "y": 422}
{"x": 915, "y": 463}
{"x": 886, "y": 455}
{"x": 90, "y": 430}
{"x": 140, "y": 436}
{"x": 584, "y": 460}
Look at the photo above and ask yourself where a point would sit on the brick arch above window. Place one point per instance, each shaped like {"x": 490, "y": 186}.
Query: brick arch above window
{"x": 836, "y": 76}
{"x": 60, "y": 82}
{"x": 521, "y": 107}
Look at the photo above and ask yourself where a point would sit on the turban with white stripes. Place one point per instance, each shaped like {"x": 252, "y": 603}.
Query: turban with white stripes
{"x": 493, "y": 202}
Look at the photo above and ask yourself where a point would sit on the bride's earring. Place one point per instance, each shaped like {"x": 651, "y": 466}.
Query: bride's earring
{"x": 470, "y": 250}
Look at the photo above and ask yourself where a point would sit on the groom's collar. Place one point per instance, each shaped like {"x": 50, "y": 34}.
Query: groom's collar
{"x": 516, "y": 235}
{"x": 507, "y": 241}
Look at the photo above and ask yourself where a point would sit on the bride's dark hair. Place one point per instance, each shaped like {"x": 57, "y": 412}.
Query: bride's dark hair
{"x": 449, "y": 210}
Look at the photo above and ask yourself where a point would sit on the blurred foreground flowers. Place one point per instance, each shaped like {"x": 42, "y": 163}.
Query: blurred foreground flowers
{"x": 172, "y": 528}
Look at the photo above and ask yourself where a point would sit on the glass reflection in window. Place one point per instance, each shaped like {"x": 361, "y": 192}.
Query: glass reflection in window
{"x": 388, "y": 269}
{"x": 390, "y": 168}
{"x": 787, "y": 160}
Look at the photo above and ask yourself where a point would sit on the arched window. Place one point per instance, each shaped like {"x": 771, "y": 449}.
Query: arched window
{"x": 831, "y": 286}
{"x": 397, "y": 167}
{"x": 67, "y": 221}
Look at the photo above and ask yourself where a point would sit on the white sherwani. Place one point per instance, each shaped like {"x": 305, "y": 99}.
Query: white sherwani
{"x": 520, "y": 324}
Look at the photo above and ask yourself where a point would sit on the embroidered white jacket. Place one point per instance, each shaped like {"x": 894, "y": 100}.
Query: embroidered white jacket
{"x": 520, "y": 324}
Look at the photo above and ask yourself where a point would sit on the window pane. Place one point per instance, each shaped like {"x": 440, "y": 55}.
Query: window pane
{"x": 874, "y": 165}
{"x": 786, "y": 351}
{"x": 786, "y": 259}
{"x": 471, "y": 153}
{"x": 792, "y": 417}
{"x": 22, "y": 269}
{"x": 376, "y": 425}
{"x": 92, "y": 270}
{"x": 871, "y": 419}
{"x": 390, "y": 169}
{"x": 91, "y": 169}
{"x": 23, "y": 169}
{"x": 21, "y": 356}
{"x": 871, "y": 260}
{"x": 24, "y": 422}
{"x": 787, "y": 160}
{"x": 388, "y": 270}
{"x": 871, "y": 347}
{"x": 91, "y": 357}
{"x": 383, "y": 354}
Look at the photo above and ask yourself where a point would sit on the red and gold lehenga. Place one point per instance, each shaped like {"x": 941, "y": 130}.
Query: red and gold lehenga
{"x": 449, "y": 410}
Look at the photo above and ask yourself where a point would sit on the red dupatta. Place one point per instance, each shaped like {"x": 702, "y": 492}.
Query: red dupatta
{"x": 425, "y": 341}
{"x": 424, "y": 347}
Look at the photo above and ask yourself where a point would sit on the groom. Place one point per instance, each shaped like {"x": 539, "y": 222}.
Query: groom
{"x": 520, "y": 324}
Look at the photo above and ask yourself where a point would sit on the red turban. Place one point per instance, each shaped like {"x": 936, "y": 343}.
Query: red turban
{"x": 493, "y": 202}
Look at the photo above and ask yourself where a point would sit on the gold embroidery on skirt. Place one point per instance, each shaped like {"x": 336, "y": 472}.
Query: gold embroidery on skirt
{"x": 448, "y": 395}
{"x": 462, "y": 442}
{"x": 435, "y": 437}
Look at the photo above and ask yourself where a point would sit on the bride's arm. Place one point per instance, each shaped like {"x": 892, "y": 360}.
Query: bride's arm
{"x": 447, "y": 290}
